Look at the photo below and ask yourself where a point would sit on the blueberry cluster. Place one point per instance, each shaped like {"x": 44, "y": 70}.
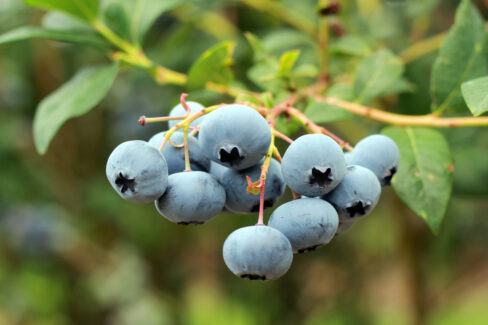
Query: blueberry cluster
{"x": 232, "y": 144}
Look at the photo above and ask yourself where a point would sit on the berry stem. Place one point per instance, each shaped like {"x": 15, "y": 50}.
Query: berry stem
{"x": 195, "y": 131}
{"x": 431, "y": 120}
{"x": 282, "y": 136}
{"x": 187, "y": 153}
{"x": 144, "y": 120}
{"x": 312, "y": 127}
{"x": 277, "y": 154}
{"x": 261, "y": 204}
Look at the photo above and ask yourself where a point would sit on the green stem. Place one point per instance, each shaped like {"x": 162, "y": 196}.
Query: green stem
{"x": 113, "y": 38}
{"x": 431, "y": 120}
{"x": 187, "y": 154}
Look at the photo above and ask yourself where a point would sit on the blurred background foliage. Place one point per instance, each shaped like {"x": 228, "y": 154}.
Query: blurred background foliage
{"x": 73, "y": 252}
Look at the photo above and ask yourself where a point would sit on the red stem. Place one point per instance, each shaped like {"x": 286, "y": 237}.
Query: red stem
{"x": 282, "y": 136}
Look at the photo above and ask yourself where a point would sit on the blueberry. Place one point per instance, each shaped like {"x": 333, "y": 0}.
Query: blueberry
{"x": 378, "y": 153}
{"x": 217, "y": 170}
{"x": 235, "y": 136}
{"x": 347, "y": 158}
{"x": 307, "y": 223}
{"x": 175, "y": 156}
{"x": 356, "y": 195}
{"x": 137, "y": 171}
{"x": 345, "y": 226}
{"x": 191, "y": 198}
{"x": 179, "y": 110}
{"x": 257, "y": 253}
{"x": 313, "y": 165}
{"x": 235, "y": 184}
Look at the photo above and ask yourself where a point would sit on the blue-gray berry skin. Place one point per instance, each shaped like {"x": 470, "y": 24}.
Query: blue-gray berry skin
{"x": 378, "y": 153}
{"x": 137, "y": 171}
{"x": 235, "y": 184}
{"x": 307, "y": 223}
{"x": 235, "y": 136}
{"x": 179, "y": 110}
{"x": 347, "y": 158}
{"x": 257, "y": 253}
{"x": 357, "y": 194}
{"x": 313, "y": 165}
{"x": 217, "y": 170}
{"x": 191, "y": 198}
{"x": 175, "y": 156}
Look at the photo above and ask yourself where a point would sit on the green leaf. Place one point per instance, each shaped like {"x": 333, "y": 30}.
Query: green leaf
{"x": 133, "y": 19}
{"x": 424, "y": 177}
{"x": 320, "y": 112}
{"x": 60, "y": 21}
{"x": 75, "y": 98}
{"x": 306, "y": 70}
{"x": 115, "y": 16}
{"x": 350, "y": 45}
{"x": 282, "y": 40}
{"x": 376, "y": 75}
{"x": 475, "y": 94}
{"x": 212, "y": 66}
{"x": 27, "y": 32}
{"x": 287, "y": 126}
{"x": 287, "y": 61}
{"x": 145, "y": 14}
{"x": 261, "y": 53}
{"x": 461, "y": 58}
{"x": 84, "y": 9}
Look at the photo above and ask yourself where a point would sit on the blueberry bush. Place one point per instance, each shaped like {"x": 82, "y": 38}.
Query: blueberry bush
{"x": 305, "y": 112}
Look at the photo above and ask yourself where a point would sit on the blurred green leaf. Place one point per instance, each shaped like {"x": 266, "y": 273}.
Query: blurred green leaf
{"x": 320, "y": 112}
{"x": 27, "y": 32}
{"x": 261, "y": 53}
{"x": 77, "y": 97}
{"x": 60, "y": 21}
{"x": 418, "y": 8}
{"x": 115, "y": 15}
{"x": 133, "y": 19}
{"x": 212, "y": 66}
{"x": 305, "y": 70}
{"x": 281, "y": 40}
{"x": 424, "y": 177}
{"x": 475, "y": 93}
{"x": 84, "y": 9}
{"x": 461, "y": 58}
{"x": 349, "y": 45}
{"x": 145, "y": 14}
{"x": 287, "y": 61}
{"x": 376, "y": 75}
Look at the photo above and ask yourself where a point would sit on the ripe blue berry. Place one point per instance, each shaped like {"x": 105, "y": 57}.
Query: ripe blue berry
{"x": 191, "y": 198}
{"x": 378, "y": 153}
{"x": 257, "y": 253}
{"x": 217, "y": 170}
{"x": 235, "y": 136}
{"x": 307, "y": 223}
{"x": 356, "y": 195}
{"x": 175, "y": 156}
{"x": 179, "y": 110}
{"x": 313, "y": 165}
{"x": 235, "y": 184}
{"x": 137, "y": 171}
